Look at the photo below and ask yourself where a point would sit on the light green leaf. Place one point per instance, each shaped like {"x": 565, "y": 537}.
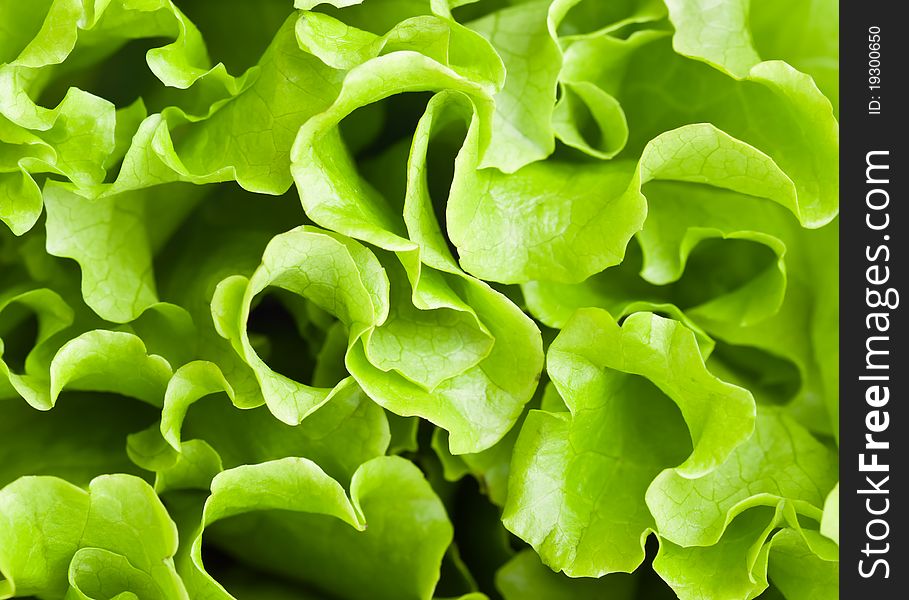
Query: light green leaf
{"x": 781, "y": 462}
{"x": 52, "y": 528}
{"x": 110, "y": 239}
{"x": 54, "y": 316}
{"x": 108, "y": 361}
{"x": 340, "y": 436}
{"x": 798, "y": 571}
{"x": 342, "y": 277}
{"x": 577, "y": 477}
{"x": 386, "y": 541}
{"x": 734, "y": 567}
{"x": 522, "y": 125}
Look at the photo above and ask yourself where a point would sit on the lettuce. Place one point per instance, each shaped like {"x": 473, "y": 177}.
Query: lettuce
{"x": 416, "y": 299}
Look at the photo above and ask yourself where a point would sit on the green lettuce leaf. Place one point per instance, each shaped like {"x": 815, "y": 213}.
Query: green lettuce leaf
{"x": 279, "y": 280}
{"x": 569, "y": 466}
{"x": 114, "y": 538}
{"x": 385, "y": 541}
